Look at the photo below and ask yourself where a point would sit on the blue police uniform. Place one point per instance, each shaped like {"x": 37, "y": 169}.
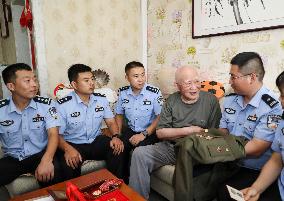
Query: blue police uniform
{"x": 81, "y": 123}
{"x": 23, "y": 134}
{"x": 259, "y": 119}
{"x": 81, "y": 127}
{"x": 278, "y": 146}
{"x": 140, "y": 110}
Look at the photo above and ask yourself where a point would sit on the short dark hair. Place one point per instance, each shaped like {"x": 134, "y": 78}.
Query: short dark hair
{"x": 75, "y": 69}
{"x": 249, "y": 62}
{"x": 9, "y": 73}
{"x": 132, "y": 64}
{"x": 280, "y": 81}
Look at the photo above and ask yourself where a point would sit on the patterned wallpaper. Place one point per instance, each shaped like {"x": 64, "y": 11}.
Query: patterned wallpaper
{"x": 100, "y": 33}
{"x": 170, "y": 45}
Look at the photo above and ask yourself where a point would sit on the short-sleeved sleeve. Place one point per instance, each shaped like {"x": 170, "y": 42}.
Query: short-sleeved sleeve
{"x": 51, "y": 118}
{"x": 107, "y": 111}
{"x": 118, "y": 107}
{"x": 158, "y": 103}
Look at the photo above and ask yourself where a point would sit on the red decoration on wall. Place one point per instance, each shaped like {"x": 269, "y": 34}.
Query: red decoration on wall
{"x": 26, "y": 20}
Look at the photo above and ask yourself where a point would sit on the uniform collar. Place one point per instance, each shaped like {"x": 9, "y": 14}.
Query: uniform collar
{"x": 255, "y": 101}
{"x": 13, "y": 108}
{"x": 79, "y": 100}
{"x": 142, "y": 92}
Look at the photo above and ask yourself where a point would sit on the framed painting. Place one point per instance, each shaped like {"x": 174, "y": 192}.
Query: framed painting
{"x": 220, "y": 17}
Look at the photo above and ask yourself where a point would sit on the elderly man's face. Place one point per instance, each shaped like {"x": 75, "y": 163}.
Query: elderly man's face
{"x": 189, "y": 86}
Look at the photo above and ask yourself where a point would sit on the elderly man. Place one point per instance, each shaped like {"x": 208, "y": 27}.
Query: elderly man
{"x": 187, "y": 111}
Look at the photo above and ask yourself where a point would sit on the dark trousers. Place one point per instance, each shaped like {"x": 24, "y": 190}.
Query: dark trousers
{"x": 128, "y": 147}
{"x": 245, "y": 178}
{"x": 11, "y": 168}
{"x": 99, "y": 149}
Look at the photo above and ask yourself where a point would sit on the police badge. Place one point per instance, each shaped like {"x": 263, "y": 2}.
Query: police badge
{"x": 53, "y": 112}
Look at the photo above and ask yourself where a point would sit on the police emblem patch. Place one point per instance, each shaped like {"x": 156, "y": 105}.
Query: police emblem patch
{"x": 252, "y": 118}
{"x": 7, "y": 122}
{"x": 75, "y": 114}
{"x": 282, "y": 131}
{"x": 160, "y": 100}
{"x": 53, "y": 112}
{"x": 230, "y": 110}
{"x": 273, "y": 121}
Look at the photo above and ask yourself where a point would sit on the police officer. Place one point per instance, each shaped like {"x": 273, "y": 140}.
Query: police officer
{"x": 141, "y": 105}
{"x": 274, "y": 167}
{"x": 82, "y": 113}
{"x": 28, "y": 129}
{"x": 253, "y": 112}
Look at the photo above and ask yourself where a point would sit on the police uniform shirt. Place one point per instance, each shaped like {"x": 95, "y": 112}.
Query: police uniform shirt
{"x": 278, "y": 146}
{"x": 80, "y": 123}
{"x": 24, "y": 133}
{"x": 140, "y": 110}
{"x": 259, "y": 119}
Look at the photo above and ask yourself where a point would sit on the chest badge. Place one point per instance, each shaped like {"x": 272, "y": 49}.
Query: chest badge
{"x": 53, "y": 112}
{"x": 146, "y": 102}
{"x": 230, "y": 110}
{"x": 125, "y": 101}
{"x": 252, "y": 118}
{"x": 7, "y": 122}
{"x": 75, "y": 114}
{"x": 38, "y": 118}
{"x": 99, "y": 109}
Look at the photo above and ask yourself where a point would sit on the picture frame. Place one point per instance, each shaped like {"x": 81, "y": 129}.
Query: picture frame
{"x": 221, "y": 17}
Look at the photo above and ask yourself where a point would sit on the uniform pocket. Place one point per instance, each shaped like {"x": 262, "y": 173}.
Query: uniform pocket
{"x": 11, "y": 136}
{"x": 219, "y": 151}
{"x": 38, "y": 131}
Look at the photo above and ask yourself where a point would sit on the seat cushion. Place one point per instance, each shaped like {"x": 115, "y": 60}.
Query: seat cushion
{"x": 23, "y": 184}
{"x": 91, "y": 166}
{"x": 165, "y": 173}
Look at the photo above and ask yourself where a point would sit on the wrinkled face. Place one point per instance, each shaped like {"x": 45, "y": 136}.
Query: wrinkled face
{"x": 84, "y": 83}
{"x": 136, "y": 77}
{"x": 25, "y": 85}
{"x": 238, "y": 81}
{"x": 189, "y": 85}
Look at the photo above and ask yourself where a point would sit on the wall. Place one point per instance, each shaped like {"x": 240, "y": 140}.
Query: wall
{"x": 102, "y": 34}
{"x": 8, "y": 45}
{"x": 170, "y": 45}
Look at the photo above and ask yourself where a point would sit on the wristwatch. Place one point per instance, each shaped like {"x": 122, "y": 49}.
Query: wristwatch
{"x": 115, "y": 135}
{"x": 145, "y": 133}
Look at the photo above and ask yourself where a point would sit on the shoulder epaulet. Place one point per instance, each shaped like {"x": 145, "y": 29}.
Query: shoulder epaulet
{"x": 153, "y": 89}
{"x": 123, "y": 88}
{"x": 231, "y": 94}
{"x": 64, "y": 100}
{"x": 98, "y": 94}
{"x": 43, "y": 100}
{"x": 4, "y": 102}
{"x": 269, "y": 100}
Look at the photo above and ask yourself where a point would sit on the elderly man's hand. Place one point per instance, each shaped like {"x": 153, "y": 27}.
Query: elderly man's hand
{"x": 194, "y": 129}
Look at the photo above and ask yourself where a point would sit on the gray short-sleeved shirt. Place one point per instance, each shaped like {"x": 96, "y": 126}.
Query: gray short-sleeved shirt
{"x": 205, "y": 113}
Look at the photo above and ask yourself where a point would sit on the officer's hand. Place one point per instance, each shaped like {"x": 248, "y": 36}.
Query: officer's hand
{"x": 250, "y": 194}
{"x": 194, "y": 129}
{"x": 44, "y": 171}
{"x": 136, "y": 139}
{"x": 72, "y": 157}
{"x": 117, "y": 145}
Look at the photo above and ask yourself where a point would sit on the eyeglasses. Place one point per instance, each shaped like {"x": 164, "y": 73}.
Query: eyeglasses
{"x": 235, "y": 77}
{"x": 190, "y": 83}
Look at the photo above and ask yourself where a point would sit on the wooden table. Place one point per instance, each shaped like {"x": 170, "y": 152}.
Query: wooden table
{"x": 81, "y": 182}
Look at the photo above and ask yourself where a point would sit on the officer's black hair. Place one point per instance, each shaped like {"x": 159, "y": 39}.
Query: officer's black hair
{"x": 132, "y": 64}
{"x": 75, "y": 69}
{"x": 249, "y": 62}
{"x": 9, "y": 73}
{"x": 280, "y": 81}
